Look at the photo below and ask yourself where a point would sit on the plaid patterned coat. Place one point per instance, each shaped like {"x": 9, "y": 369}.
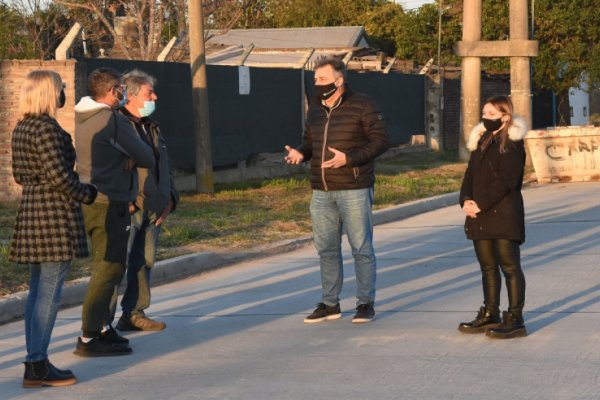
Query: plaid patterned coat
{"x": 49, "y": 225}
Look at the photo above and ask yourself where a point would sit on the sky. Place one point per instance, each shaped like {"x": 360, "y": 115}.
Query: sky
{"x": 410, "y": 4}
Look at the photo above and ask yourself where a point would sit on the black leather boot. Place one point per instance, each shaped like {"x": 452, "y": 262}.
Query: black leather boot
{"x": 40, "y": 373}
{"x": 485, "y": 319}
{"x": 67, "y": 372}
{"x": 512, "y": 326}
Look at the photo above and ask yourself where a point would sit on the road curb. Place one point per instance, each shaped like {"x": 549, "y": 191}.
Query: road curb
{"x": 173, "y": 269}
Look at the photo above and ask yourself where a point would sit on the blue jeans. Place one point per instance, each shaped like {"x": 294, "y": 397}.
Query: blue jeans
{"x": 45, "y": 290}
{"x": 350, "y": 211}
{"x": 141, "y": 250}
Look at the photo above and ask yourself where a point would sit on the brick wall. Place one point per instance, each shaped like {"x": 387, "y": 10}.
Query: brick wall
{"x": 490, "y": 86}
{"x": 11, "y": 77}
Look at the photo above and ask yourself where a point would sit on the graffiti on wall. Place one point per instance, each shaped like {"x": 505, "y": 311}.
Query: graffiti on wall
{"x": 573, "y": 156}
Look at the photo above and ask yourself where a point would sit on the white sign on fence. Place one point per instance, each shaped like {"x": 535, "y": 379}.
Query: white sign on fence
{"x": 244, "y": 77}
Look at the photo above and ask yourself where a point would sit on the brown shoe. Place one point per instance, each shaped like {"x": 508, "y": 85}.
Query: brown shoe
{"x": 144, "y": 323}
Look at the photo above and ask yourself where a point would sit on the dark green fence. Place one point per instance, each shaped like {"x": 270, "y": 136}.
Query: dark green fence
{"x": 270, "y": 116}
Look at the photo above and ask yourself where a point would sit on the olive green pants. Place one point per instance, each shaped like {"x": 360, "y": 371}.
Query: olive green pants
{"x": 108, "y": 226}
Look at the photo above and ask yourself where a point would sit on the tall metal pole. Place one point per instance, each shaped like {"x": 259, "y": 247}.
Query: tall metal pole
{"x": 204, "y": 172}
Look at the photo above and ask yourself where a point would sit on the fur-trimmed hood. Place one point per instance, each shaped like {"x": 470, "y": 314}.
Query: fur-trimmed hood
{"x": 516, "y": 132}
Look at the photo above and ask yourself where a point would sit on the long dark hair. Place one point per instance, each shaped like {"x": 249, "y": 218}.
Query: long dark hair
{"x": 505, "y": 106}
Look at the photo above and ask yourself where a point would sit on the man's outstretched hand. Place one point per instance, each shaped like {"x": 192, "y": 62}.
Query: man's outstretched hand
{"x": 293, "y": 156}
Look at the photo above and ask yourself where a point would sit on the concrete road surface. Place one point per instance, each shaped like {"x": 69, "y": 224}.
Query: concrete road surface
{"x": 237, "y": 333}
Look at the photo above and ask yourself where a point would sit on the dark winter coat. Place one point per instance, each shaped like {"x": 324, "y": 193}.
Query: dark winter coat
{"x": 355, "y": 127}
{"x": 106, "y": 144}
{"x": 49, "y": 225}
{"x": 156, "y": 186}
{"x": 493, "y": 180}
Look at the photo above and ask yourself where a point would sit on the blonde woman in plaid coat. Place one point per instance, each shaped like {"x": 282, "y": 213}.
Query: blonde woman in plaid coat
{"x": 49, "y": 229}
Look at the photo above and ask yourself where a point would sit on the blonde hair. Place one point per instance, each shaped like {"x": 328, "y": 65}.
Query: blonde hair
{"x": 40, "y": 94}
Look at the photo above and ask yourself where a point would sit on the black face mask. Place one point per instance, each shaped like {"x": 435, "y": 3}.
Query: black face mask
{"x": 324, "y": 92}
{"x": 492, "y": 125}
{"x": 63, "y": 99}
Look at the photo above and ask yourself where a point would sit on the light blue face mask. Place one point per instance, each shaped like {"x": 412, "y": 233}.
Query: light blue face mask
{"x": 123, "y": 100}
{"x": 149, "y": 107}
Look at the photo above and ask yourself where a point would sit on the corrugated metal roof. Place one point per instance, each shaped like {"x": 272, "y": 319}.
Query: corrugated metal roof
{"x": 282, "y": 59}
{"x": 293, "y": 38}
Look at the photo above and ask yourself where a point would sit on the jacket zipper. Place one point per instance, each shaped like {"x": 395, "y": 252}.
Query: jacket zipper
{"x": 328, "y": 113}
{"x": 324, "y": 149}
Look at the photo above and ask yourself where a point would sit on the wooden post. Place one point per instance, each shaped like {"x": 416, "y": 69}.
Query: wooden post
{"x": 472, "y": 48}
{"x": 471, "y": 75}
{"x": 302, "y": 65}
{"x": 520, "y": 77}
{"x": 204, "y": 172}
{"x": 246, "y": 54}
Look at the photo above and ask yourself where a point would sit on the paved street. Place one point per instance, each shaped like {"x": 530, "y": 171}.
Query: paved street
{"x": 237, "y": 333}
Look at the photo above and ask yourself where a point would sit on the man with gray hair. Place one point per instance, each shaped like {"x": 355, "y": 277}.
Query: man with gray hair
{"x": 157, "y": 198}
{"x": 344, "y": 134}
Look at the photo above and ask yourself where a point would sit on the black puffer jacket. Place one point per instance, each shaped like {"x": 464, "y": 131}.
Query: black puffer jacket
{"x": 494, "y": 180}
{"x": 355, "y": 127}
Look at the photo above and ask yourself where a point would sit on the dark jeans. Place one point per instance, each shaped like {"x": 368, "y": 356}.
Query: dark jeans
{"x": 143, "y": 241}
{"x": 108, "y": 226}
{"x": 501, "y": 254}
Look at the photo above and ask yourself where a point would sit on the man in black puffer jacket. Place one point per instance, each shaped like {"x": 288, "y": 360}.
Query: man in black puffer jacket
{"x": 344, "y": 134}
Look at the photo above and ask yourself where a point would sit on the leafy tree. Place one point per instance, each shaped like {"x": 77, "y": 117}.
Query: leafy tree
{"x": 14, "y": 41}
{"x": 569, "y": 37}
{"x": 383, "y": 24}
{"x": 31, "y": 29}
{"x": 381, "y": 18}
{"x": 417, "y": 40}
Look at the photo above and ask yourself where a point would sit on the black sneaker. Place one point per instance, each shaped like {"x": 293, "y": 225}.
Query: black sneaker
{"x": 364, "y": 313}
{"x": 323, "y": 312}
{"x": 111, "y": 336}
{"x": 100, "y": 347}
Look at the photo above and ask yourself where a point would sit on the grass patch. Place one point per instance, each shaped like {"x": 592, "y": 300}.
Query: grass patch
{"x": 248, "y": 214}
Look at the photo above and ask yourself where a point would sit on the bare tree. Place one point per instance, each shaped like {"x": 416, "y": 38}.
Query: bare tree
{"x": 136, "y": 26}
{"x": 44, "y": 24}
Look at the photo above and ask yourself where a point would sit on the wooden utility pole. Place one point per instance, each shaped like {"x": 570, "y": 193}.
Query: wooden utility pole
{"x": 471, "y": 74}
{"x": 204, "y": 172}
{"x": 520, "y": 70}
{"x": 472, "y": 48}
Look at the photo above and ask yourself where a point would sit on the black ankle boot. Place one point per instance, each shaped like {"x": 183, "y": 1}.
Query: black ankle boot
{"x": 67, "y": 372}
{"x": 512, "y": 326}
{"x": 484, "y": 320}
{"x": 40, "y": 373}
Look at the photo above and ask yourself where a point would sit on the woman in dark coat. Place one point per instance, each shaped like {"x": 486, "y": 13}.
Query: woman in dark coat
{"x": 491, "y": 198}
{"x": 48, "y": 230}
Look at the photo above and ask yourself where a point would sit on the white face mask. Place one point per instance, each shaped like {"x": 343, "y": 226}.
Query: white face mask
{"x": 149, "y": 107}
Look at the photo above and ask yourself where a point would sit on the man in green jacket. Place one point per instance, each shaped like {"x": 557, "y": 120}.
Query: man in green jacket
{"x": 108, "y": 152}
